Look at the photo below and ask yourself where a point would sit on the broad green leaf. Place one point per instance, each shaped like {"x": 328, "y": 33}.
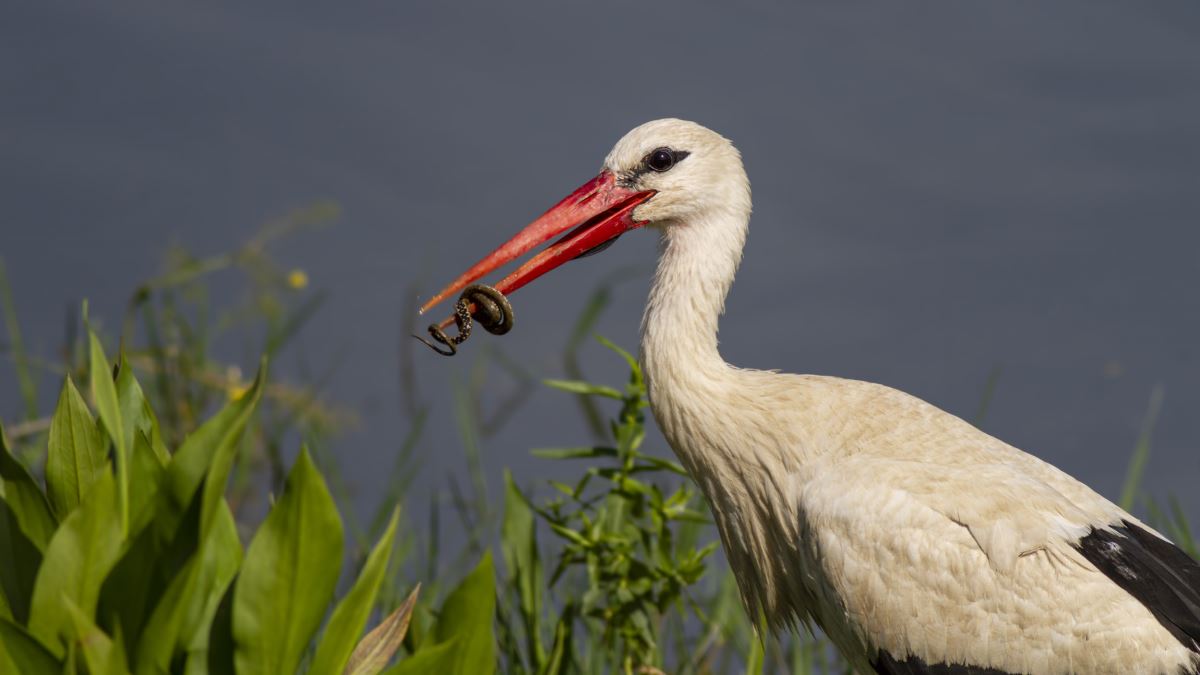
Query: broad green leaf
{"x": 380, "y": 645}
{"x": 212, "y": 496}
{"x": 145, "y": 476}
{"x": 102, "y": 654}
{"x": 350, "y": 617}
{"x": 442, "y": 658}
{"x": 219, "y": 658}
{"x": 76, "y": 561}
{"x": 104, "y": 393}
{"x": 136, "y": 415}
{"x": 25, "y": 652}
{"x": 467, "y": 617}
{"x": 6, "y": 663}
{"x": 174, "y": 541}
{"x": 519, "y": 546}
{"x": 420, "y": 629}
{"x": 25, "y": 498}
{"x": 181, "y": 619}
{"x": 76, "y": 454}
{"x": 585, "y": 388}
{"x": 19, "y": 564}
{"x": 191, "y": 463}
{"x": 288, "y": 576}
{"x": 134, "y": 583}
{"x": 222, "y": 559}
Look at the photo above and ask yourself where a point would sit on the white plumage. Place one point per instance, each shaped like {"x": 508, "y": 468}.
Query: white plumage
{"x": 918, "y": 543}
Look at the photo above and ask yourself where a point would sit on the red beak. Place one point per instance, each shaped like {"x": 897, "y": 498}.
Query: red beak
{"x": 600, "y": 210}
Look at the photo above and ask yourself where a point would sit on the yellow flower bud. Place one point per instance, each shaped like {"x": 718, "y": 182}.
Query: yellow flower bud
{"x": 297, "y": 279}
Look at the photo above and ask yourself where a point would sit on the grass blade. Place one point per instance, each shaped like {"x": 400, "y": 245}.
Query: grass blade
{"x": 518, "y": 536}
{"x": 1141, "y": 452}
{"x": 25, "y": 382}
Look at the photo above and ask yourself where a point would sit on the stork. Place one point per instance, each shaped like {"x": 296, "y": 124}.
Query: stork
{"x": 916, "y": 542}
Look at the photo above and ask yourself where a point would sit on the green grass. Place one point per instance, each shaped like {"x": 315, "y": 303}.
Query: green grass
{"x": 153, "y": 525}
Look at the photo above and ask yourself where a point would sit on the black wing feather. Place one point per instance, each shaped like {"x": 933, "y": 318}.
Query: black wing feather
{"x": 1156, "y": 572}
{"x": 886, "y": 664}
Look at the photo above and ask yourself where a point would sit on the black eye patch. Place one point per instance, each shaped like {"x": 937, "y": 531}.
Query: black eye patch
{"x": 663, "y": 159}
{"x": 659, "y": 160}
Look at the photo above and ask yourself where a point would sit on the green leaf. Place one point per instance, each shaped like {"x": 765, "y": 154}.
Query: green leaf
{"x": 191, "y": 463}
{"x": 634, "y": 367}
{"x": 76, "y": 453}
{"x": 25, "y": 652}
{"x": 135, "y": 583}
{"x": 574, "y": 453}
{"x": 18, "y": 565}
{"x": 288, "y": 576}
{"x": 212, "y": 492}
{"x": 519, "y": 546}
{"x": 102, "y": 654}
{"x": 77, "y": 559}
{"x": 181, "y": 619}
{"x": 25, "y": 498}
{"x": 560, "y": 653}
{"x": 665, "y": 465}
{"x": 377, "y": 647}
{"x": 350, "y": 617}
{"x": 104, "y": 392}
{"x": 442, "y": 659}
{"x": 1141, "y": 452}
{"x": 754, "y": 660}
{"x": 136, "y": 415}
{"x": 159, "y": 557}
{"x": 466, "y": 618}
{"x": 222, "y": 556}
{"x": 6, "y": 662}
{"x": 70, "y": 662}
{"x": 220, "y": 636}
{"x": 145, "y": 475}
{"x": 586, "y": 388}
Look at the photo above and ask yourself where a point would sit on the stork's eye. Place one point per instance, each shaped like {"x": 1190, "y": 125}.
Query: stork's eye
{"x": 661, "y": 160}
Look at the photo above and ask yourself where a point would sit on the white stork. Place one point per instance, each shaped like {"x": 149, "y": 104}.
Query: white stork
{"x": 918, "y": 543}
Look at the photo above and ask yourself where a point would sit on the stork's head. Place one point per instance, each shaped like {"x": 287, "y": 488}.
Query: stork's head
{"x": 692, "y": 171}
{"x": 665, "y": 173}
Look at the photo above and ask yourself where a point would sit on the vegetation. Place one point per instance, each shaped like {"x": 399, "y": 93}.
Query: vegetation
{"x": 159, "y": 528}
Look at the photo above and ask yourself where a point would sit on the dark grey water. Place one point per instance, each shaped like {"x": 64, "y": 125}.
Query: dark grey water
{"x": 940, "y": 189}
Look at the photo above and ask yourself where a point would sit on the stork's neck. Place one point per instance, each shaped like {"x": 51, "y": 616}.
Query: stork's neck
{"x": 696, "y": 265}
